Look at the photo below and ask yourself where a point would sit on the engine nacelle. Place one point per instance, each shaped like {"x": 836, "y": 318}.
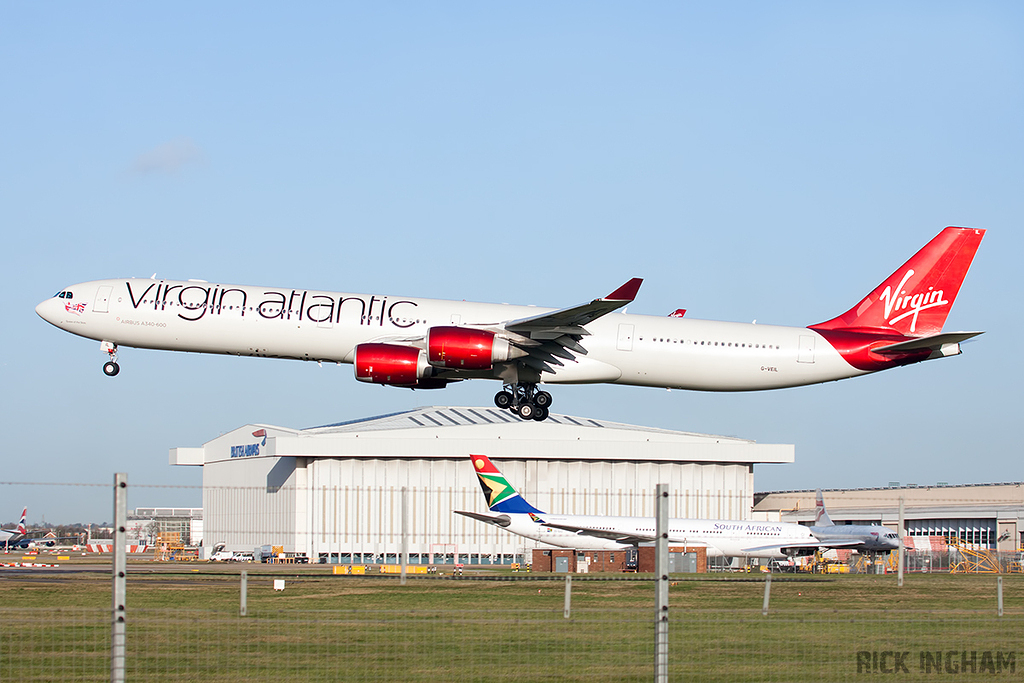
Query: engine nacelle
{"x": 402, "y": 366}
{"x": 463, "y": 348}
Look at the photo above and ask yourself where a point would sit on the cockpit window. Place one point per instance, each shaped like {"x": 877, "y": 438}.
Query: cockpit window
{"x": 66, "y": 294}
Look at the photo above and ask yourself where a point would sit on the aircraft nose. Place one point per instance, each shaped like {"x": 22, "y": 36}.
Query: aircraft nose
{"x": 47, "y": 310}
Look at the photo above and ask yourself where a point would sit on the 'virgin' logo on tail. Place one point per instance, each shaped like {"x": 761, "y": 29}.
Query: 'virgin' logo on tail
{"x": 915, "y": 302}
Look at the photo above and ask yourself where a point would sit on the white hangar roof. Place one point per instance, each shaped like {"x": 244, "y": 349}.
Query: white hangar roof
{"x": 444, "y": 432}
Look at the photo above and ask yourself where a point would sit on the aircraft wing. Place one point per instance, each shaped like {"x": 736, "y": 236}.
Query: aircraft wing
{"x": 816, "y": 545}
{"x": 490, "y": 518}
{"x": 571, "y": 320}
{"x": 933, "y": 342}
{"x": 10, "y": 536}
{"x": 550, "y": 336}
{"x": 611, "y": 534}
{"x": 840, "y": 542}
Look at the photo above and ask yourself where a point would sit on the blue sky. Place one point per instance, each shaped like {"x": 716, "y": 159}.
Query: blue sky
{"x": 750, "y": 161}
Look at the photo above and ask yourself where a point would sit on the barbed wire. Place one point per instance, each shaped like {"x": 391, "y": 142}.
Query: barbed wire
{"x": 837, "y": 503}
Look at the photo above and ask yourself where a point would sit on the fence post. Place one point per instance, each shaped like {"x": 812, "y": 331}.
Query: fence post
{"x": 243, "y": 605}
{"x": 120, "y": 562}
{"x": 661, "y": 584}
{"x": 405, "y": 533}
{"x": 767, "y": 594}
{"x": 999, "y": 595}
{"x": 568, "y": 596}
{"x": 899, "y": 551}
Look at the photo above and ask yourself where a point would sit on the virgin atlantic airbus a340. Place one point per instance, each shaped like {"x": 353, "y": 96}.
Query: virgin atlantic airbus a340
{"x": 428, "y": 343}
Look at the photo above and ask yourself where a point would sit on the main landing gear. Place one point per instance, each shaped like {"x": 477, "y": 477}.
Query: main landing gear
{"x": 110, "y": 368}
{"x": 524, "y": 400}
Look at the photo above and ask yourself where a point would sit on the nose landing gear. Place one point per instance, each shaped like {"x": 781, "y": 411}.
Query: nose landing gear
{"x": 110, "y": 368}
{"x": 524, "y": 400}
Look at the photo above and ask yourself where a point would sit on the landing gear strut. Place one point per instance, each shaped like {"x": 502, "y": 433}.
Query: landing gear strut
{"x": 110, "y": 368}
{"x": 523, "y": 399}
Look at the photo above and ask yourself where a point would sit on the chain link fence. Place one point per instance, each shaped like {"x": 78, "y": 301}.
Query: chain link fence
{"x": 73, "y": 644}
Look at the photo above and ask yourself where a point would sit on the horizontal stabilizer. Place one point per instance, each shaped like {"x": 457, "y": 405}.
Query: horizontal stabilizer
{"x": 934, "y": 342}
{"x": 498, "y": 520}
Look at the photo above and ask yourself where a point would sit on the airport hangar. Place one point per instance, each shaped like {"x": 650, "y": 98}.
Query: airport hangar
{"x": 981, "y": 516}
{"x": 334, "y": 493}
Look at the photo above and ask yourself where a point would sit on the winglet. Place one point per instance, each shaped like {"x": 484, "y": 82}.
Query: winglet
{"x": 626, "y": 292}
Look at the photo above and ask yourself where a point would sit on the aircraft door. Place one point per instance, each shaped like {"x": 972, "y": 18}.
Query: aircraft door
{"x": 625, "y": 341}
{"x": 806, "y": 352}
{"x": 323, "y": 314}
{"x": 102, "y": 302}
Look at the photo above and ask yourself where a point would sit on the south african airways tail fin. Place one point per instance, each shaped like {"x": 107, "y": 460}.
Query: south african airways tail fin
{"x": 501, "y": 496}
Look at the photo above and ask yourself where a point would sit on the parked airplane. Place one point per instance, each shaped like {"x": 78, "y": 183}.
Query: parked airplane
{"x": 870, "y": 538}
{"x": 14, "y": 537}
{"x": 428, "y": 343}
{"x": 20, "y": 537}
{"x": 729, "y": 538}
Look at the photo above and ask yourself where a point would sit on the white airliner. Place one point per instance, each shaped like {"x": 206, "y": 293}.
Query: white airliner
{"x": 870, "y": 538}
{"x": 428, "y": 343}
{"x": 20, "y": 537}
{"x": 15, "y": 537}
{"x": 722, "y": 538}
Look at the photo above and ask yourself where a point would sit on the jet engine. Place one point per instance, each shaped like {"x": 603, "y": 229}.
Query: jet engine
{"x": 393, "y": 364}
{"x": 464, "y": 348}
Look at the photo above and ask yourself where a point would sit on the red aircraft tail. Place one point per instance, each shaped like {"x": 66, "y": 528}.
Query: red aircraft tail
{"x": 915, "y": 300}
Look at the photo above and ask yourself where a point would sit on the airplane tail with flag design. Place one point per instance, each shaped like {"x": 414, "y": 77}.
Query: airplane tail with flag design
{"x": 821, "y": 517}
{"x": 501, "y": 496}
{"x": 916, "y": 299}
{"x": 22, "y": 529}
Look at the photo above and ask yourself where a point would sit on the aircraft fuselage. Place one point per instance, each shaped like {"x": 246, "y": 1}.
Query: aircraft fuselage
{"x": 300, "y": 324}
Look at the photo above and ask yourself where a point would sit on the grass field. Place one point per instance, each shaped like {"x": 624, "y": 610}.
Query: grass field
{"x": 184, "y": 625}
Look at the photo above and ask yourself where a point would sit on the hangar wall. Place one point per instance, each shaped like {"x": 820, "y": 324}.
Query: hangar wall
{"x": 981, "y": 516}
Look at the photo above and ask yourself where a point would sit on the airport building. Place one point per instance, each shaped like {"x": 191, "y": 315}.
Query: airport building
{"x": 340, "y": 492}
{"x": 148, "y": 526}
{"x": 978, "y": 516}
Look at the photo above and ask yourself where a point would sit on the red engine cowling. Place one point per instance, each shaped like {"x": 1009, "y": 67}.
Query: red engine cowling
{"x": 464, "y": 348}
{"x": 403, "y": 366}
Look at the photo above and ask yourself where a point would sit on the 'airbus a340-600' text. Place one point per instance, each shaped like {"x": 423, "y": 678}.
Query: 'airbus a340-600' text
{"x": 428, "y": 343}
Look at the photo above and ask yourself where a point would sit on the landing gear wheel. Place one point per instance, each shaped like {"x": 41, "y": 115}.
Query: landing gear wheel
{"x": 540, "y": 414}
{"x": 542, "y": 399}
{"x": 527, "y": 411}
{"x": 110, "y": 369}
{"x": 503, "y": 399}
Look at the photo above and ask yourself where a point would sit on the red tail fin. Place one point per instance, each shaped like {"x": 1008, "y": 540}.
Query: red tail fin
{"x": 916, "y": 299}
